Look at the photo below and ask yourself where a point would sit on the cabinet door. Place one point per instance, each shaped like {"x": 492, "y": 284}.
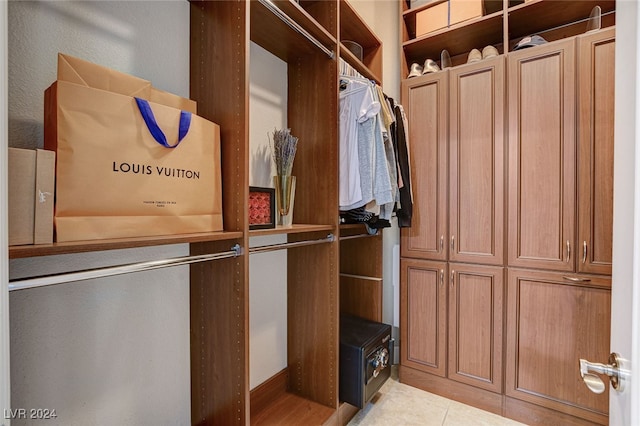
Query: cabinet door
{"x": 595, "y": 150}
{"x": 423, "y": 315}
{"x": 476, "y": 296}
{"x": 552, "y": 322}
{"x": 476, "y": 163}
{"x": 542, "y": 159}
{"x": 425, "y": 99}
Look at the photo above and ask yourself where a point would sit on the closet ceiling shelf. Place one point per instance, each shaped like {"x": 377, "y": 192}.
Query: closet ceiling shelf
{"x": 295, "y": 229}
{"x": 18, "y": 252}
{"x": 277, "y": 26}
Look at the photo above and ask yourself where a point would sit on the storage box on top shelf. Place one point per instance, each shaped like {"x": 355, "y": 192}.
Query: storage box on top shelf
{"x": 413, "y": 4}
{"x": 463, "y": 10}
{"x": 31, "y": 189}
{"x": 432, "y": 19}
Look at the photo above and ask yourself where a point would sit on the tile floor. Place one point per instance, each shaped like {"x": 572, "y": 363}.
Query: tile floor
{"x": 399, "y": 404}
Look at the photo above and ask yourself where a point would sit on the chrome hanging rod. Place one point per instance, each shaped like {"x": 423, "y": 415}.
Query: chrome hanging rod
{"x": 296, "y": 27}
{"x": 261, "y": 249}
{"x": 579, "y": 21}
{"x": 351, "y": 237}
{"x": 21, "y": 284}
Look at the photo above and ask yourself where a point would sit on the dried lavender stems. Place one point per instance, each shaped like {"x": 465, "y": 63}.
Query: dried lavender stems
{"x": 283, "y": 151}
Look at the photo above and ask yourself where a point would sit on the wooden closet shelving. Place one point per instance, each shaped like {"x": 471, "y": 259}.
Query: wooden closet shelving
{"x": 17, "y": 252}
{"x": 353, "y": 28}
{"x": 220, "y": 36}
{"x": 221, "y": 33}
{"x": 552, "y": 19}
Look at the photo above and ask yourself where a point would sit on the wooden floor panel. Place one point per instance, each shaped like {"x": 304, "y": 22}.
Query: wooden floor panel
{"x": 291, "y": 409}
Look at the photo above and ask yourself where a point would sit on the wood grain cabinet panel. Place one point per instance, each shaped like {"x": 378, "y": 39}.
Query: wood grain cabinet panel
{"x": 476, "y": 295}
{"x": 541, "y": 94}
{"x": 425, "y": 99}
{"x": 476, "y": 163}
{"x": 551, "y": 324}
{"x": 423, "y": 314}
{"x": 596, "y": 58}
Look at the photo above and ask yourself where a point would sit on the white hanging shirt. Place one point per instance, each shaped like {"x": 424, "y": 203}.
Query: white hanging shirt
{"x": 357, "y": 105}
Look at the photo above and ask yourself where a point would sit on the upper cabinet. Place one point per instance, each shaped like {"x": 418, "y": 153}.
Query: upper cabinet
{"x": 426, "y": 101}
{"x": 476, "y": 162}
{"x": 475, "y": 24}
{"x": 595, "y": 151}
{"x": 541, "y": 120}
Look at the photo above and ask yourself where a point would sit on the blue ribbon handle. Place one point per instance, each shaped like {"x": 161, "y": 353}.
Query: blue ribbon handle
{"x": 154, "y": 129}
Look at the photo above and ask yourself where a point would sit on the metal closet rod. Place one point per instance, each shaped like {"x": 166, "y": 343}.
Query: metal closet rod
{"x": 295, "y": 26}
{"x": 261, "y": 249}
{"x": 350, "y": 237}
{"x": 21, "y": 284}
{"x": 579, "y": 21}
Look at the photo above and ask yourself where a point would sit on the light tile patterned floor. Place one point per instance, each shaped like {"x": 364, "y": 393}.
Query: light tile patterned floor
{"x": 399, "y": 404}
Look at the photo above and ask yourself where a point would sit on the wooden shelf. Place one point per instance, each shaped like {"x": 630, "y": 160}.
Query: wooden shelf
{"x": 458, "y": 39}
{"x": 291, "y": 409}
{"x": 16, "y": 252}
{"x": 553, "y": 19}
{"x": 295, "y": 229}
{"x": 353, "y": 28}
{"x": 282, "y": 40}
{"x": 357, "y": 64}
{"x": 540, "y": 15}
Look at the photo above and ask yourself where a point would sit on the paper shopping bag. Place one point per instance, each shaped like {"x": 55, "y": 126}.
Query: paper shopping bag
{"x": 127, "y": 167}
{"x": 85, "y": 73}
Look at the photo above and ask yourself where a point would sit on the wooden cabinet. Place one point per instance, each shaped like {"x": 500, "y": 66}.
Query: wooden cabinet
{"x": 552, "y": 322}
{"x": 538, "y": 202}
{"x": 476, "y": 295}
{"x": 544, "y": 158}
{"x": 541, "y": 95}
{"x": 423, "y": 315}
{"x": 451, "y": 313}
{"x": 476, "y": 162}
{"x": 454, "y": 306}
{"x": 596, "y": 53}
{"x": 426, "y": 101}
{"x": 457, "y": 156}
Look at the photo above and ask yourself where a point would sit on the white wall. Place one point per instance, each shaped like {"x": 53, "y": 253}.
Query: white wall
{"x": 114, "y": 350}
{"x": 267, "y": 271}
{"x": 5, "y": 389}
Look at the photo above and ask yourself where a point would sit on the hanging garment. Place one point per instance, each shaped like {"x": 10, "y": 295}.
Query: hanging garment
{"x": 401, "y": 139}
{"x": 357, "y": 108}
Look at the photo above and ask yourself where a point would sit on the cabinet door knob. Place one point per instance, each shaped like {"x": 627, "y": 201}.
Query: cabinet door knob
{"x": 453, "y": 243}
{"x": 441, "y": 277}
{"x": 568, "y": 251}
{"x": 584, "y": 252}
{"x": 441, "y": 243}
{"x": 453, "y": 274}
